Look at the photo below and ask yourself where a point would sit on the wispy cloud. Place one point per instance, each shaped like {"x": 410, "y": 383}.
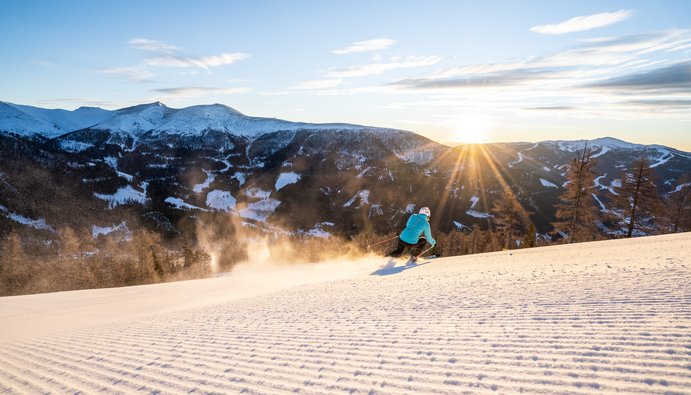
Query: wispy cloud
{"x": 589, "y": 79}
{"x": 366, "y": 46}
{"x": 134, "y": 74}
{"x": 501, "y": 79}
{"x": 195, "y": 91}
{"x": 671, "y": 79}
{"x": 145, "y": 44}
{"x": 379, "y": 68}
{"x": 592, "y": 61}
{"x": 82, "y": 102}
{"x": 203, "y": 62}
{"x": 165, "y": 55}
{"x": 583, "y": 23}
{"x": 320, "y": 84}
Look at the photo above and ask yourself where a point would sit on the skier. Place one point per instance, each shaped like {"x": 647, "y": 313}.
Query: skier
{"x": 418, "y": 224}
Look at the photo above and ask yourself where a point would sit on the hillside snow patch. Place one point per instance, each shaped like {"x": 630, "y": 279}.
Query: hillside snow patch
{"x": 220, "y": 200}
{"x": 548, "y": 184}
{"x": 285, "y": 179}
{"x": 123, "y": 195}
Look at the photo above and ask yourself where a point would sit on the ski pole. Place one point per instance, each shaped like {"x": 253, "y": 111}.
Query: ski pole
{"x": 420, "y": 254}
{"x": 381, "y": 242}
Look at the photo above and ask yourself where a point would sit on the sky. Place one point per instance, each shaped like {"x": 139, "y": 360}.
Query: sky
{"x": 453, "y": 71}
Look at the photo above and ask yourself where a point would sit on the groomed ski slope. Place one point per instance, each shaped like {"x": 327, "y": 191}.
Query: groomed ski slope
{"x": 601, "y": 317}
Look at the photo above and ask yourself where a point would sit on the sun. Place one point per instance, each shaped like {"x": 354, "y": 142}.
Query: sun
{"x": 470, "y": 128}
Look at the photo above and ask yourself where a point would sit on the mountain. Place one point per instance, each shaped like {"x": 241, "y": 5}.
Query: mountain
{"x": 34, "y": 121}
{"x": 167, "y": 169}
{"x": 609, "y": 316}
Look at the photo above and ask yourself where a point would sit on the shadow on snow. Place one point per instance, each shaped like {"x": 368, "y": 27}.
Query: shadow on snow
{"x": 390, "y": 268}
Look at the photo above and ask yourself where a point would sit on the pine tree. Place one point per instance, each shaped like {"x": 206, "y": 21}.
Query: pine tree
{"x": 577, "y": 212}
{"x": 637, "y": 197}
{"x": 509, "y": 218}
{"x": 529, "y": 241}
{"x": 678, "y": 204}
{"x": 14, "y": 273}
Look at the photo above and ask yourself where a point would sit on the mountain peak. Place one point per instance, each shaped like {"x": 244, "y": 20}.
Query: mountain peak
{"x": 612, "y": 142}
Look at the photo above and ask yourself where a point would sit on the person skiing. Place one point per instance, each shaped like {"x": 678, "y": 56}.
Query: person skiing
{"x": 417, "y": 225}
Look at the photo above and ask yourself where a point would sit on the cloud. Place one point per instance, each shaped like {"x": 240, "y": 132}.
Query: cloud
{"x": 203, "y": 62}
{"x": 583, "y": 23}
{"x": 195, "y": 91}
{"x": 505, "y": 78}
{"x": 379, "y": 68}
{"x": 664, "y": 103}
{"x": 134, "y": 74}
{"x": 83, "y": 102}
{"x": 145, "y": 44}
{"x": 594, "y": 63}
{"x": 366, "y": 46}
{"x": 550, "y": 108}
{"x": 674, "y": 78}
{"x": 319, "y": 84}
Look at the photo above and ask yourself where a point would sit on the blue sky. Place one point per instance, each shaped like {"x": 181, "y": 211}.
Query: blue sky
{"x": 455, "y": 71}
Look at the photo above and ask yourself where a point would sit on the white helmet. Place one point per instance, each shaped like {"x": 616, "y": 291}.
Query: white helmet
{"x": 426, "y": 211}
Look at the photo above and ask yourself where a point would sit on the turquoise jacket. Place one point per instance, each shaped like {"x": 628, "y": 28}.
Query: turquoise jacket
{"x": 416, "y": 226}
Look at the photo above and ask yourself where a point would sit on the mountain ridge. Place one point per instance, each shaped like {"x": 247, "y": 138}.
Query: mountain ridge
{"x": 49, "y": 125}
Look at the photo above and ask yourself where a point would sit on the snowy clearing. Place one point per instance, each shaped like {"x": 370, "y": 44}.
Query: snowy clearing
{"x": 34, "y": 223}
{"x": 285, "y": 179}
{"x": 106, "y": 230}
{"x": 548, "y": 184}
{"x": 666, "y": 156}
{"x": 220, "y": 200}
{"x": 362, "y": 195}
{"x": 610, "y": 316}
{"x": 259, "y": 210}
{"x": 123, "y": 195}
{"x": 210, "y": 177}
{"x": 182, "y": 205}
{"x": 478, "y": 214}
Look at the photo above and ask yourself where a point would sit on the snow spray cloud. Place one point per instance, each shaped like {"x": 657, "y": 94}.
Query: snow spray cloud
{"x": 241, "y": 247}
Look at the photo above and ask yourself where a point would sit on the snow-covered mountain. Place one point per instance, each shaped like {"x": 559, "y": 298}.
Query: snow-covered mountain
{"x": 165, "y": 167}
{"x": 157, "y": 119}
{"x": 603, "y": 317}
{"x": 35, "y": 121}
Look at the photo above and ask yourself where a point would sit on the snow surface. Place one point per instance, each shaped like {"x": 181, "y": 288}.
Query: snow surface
{"x": 601, "y": 317}
{"x": 123, "y": 195}
{"x": 285, "y": 179}
{"x": 257, "y": 193}
{"x": 603, "y": 150}
{"x": 548, "y": 184}
{"x": 240, "y": 176}
{"x": 520, "y": 155}
{"x": 473, "y": 201}
{"x": 210, "y": 177}
{"x": 318, "y": 230}
{"x": 362, "y": 195}
{"x": 74, "y": 146}
{"x": 182, "y": 205}
{"x": 259, "y": 210}
{"x": 34, "y": 223}
{"x": 105, "y": 230}
{"x": 477, "y": 214}
{"x": 604, "y": 142}
{"x": 664, "y": 157}
{"x": 680, "y": 187}
{"x": 220, "y": 200}
{"x": 30, "y": 121}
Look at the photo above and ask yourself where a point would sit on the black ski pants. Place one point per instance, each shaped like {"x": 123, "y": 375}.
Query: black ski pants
{"x": 415, "y": 249}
